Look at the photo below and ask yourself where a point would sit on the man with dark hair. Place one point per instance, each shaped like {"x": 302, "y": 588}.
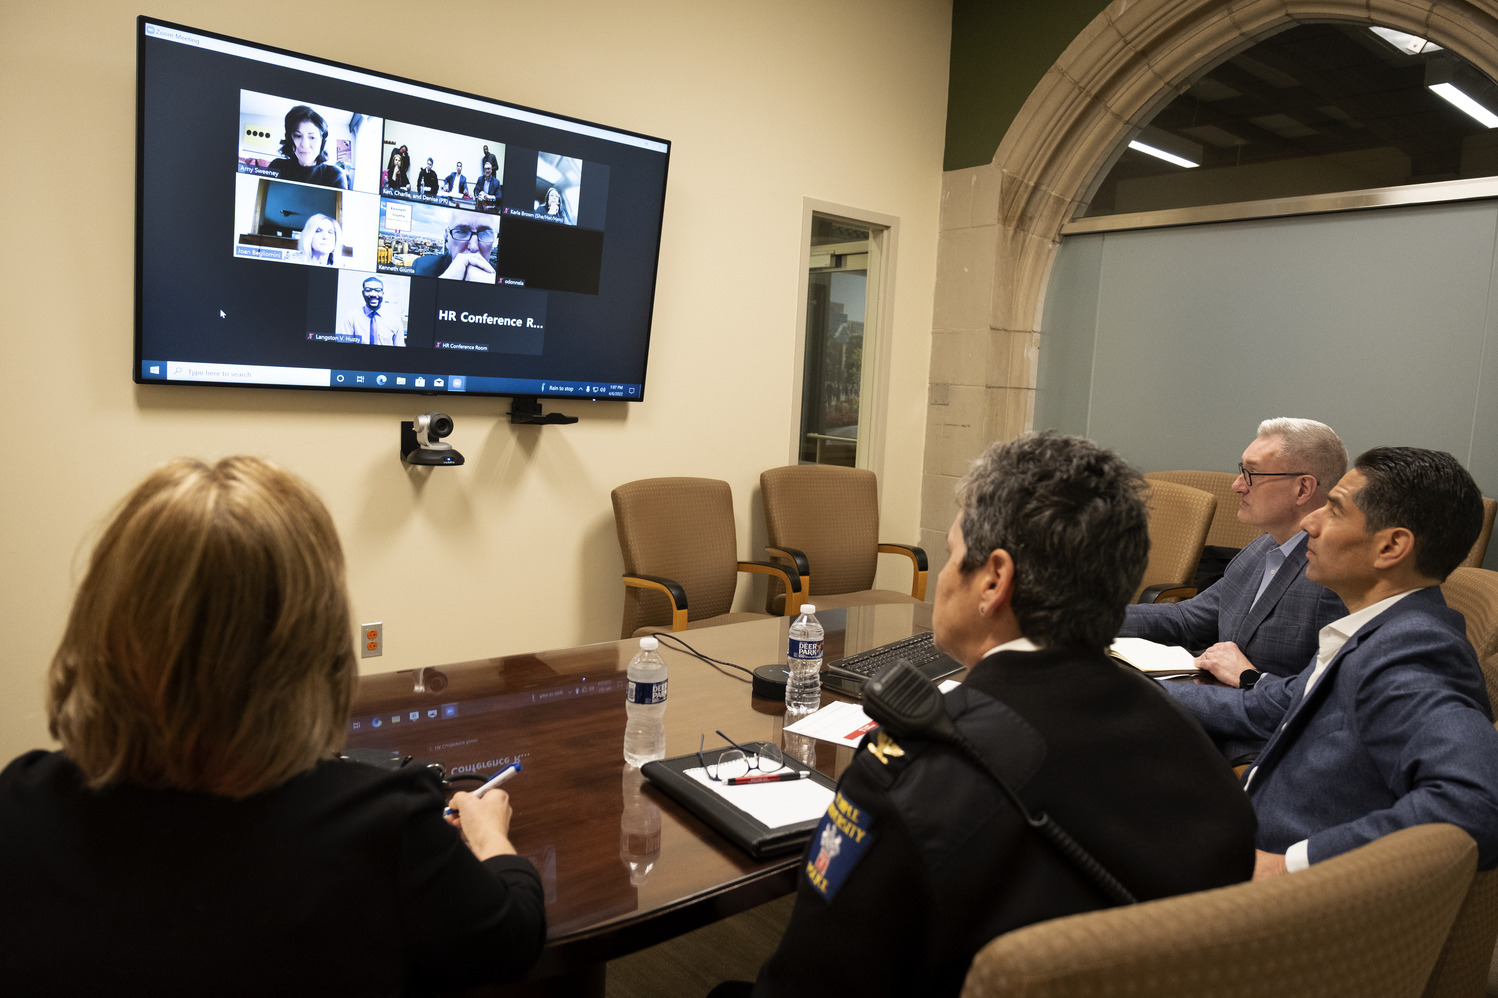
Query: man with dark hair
{"x": 426, "y": 179}
{"x": 1390, "y": 725}
{"x": 369, "y": 324}
{"x": 456, "y": 183}
{"x": 1263, "y": 614}
{"x": 921, "y": 858}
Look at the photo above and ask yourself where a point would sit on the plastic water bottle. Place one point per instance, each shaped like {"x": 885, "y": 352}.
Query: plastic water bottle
{"x": 645, "y": 705}
{"x": 803, "y": 690}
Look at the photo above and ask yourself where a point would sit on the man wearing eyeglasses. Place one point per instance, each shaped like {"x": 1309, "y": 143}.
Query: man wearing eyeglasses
{"x": 470, "y": 240}
{"x": 1389, "y": 724}
{"x": 372, "y": 324}
{"x": 487, "y": 190}
{"x": 1263, "y": 615}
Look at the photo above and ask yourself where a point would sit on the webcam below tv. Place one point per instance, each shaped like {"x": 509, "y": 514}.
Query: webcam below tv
{"x": 301, "y": 223}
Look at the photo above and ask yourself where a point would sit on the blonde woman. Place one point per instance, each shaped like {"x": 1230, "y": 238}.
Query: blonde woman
{"x": 196, "y": 833}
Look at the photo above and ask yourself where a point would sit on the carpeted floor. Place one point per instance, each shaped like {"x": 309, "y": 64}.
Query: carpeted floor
{"x": 690, "y": 966}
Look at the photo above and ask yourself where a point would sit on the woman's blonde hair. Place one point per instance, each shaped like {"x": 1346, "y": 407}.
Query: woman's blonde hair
{"x": 210, "y": 646}
{"x": 304, "y": 240}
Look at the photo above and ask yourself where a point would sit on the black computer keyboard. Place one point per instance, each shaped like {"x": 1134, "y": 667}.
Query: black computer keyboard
{"x": 849, "y": 675}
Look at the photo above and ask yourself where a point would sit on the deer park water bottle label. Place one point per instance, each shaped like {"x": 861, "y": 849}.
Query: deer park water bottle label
{"x": 807, "y": 651}
{"x": 647, "y": 693}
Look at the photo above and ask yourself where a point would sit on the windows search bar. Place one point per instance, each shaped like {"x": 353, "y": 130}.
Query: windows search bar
{"x": 241, "y": 374}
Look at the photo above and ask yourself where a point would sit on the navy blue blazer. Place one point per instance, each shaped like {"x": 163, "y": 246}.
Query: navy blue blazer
{"x": 1396, "y": 732}
{"x": 1277, "y": 634}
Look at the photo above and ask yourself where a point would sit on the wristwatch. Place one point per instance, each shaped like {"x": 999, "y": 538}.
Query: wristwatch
{"x": 1247, "y": 678}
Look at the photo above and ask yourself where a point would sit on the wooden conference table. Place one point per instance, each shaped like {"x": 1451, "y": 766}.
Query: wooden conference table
{"x": 624, "y": 866}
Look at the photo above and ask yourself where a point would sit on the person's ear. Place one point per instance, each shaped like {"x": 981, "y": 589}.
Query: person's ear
{"x": 998, "y": 583}
{"x": 1393, "y": 545}
{"x": 1305, "y": 489}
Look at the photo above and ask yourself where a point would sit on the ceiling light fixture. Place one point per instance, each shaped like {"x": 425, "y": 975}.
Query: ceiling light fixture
{"x": 1466, "y": 104}
{"x": 1404, "y": 42}
{"x": 1169, "y": 157}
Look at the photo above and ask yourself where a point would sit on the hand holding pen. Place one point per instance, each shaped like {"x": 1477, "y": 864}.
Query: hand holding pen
{"x": 483, "y": 816}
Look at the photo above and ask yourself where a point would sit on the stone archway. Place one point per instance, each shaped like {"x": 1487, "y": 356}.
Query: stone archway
{"x": 1001, "y": 223}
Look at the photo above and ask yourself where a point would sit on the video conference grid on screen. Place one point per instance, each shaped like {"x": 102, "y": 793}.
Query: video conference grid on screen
{"x": 497, "y": 250}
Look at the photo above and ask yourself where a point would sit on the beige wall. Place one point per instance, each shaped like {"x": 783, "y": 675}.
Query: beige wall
{"x": 766, "y": 102}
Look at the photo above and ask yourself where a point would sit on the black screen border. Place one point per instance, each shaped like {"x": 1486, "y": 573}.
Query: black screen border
{"x": 598, "y": 391}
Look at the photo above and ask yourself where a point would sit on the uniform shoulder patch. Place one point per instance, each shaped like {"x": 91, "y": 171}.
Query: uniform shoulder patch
{"x": 845, "y": 834}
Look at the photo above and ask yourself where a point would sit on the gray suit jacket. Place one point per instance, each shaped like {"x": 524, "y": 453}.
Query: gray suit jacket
{"x": 1277, "y": 634}
{"x": 1396, "y": 732}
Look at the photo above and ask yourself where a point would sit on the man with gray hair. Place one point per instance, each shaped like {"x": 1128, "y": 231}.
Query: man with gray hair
{"x": 1389, "y": 724}
{"x": 1263, "y": 615}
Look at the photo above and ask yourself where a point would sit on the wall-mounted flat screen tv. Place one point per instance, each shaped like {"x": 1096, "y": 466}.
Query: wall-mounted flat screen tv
{"x": 306, "y": 224}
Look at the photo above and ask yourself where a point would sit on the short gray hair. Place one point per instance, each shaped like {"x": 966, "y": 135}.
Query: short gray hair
{"x": 1072, "y": 516}
{"x": 1313, "y": 447}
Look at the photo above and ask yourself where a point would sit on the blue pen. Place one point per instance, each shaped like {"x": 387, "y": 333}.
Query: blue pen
{"x": 499, "y": 777}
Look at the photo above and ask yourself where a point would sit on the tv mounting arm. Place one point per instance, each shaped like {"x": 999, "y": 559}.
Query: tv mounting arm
{"x": 527, "y": 409}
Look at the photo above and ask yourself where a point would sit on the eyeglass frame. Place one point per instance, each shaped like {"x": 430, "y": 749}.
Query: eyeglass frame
{"x": 747, "y": 752}
{"x": 472, "y": 232}
{"x": 1249, "y": 476}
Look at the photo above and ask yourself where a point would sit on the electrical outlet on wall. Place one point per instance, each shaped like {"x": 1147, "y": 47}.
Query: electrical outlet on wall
{"x": 372, "y": 643}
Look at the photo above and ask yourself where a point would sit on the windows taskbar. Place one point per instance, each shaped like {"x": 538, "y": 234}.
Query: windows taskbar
{"x": 389, "y": 381}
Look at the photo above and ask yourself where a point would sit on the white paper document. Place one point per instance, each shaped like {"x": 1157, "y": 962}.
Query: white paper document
{"x": 840, "y": 722}
{"x": 1152, "y": 657}
{"x": 843, "y": 723}
{"x": 773, "y": 804}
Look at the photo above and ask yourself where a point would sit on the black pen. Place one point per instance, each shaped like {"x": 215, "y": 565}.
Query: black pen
{"x": 738, "y": 781}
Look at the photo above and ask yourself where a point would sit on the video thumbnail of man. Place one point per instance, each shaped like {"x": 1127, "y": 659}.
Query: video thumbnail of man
{"x": 427, "y": 164}
{"x": 308, "y": 143}
{"x": 302, "y": 224}
{"x": 431, "y": 241}
{"x": 373, "y": 309}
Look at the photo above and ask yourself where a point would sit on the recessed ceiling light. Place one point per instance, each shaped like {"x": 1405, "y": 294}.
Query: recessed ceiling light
{"x": 1405, "y": 42}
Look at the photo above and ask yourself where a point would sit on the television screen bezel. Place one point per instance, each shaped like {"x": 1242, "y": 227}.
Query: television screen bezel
{"x": 596, "y": 391}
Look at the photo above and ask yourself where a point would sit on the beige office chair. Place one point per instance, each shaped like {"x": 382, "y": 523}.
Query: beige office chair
{"x": 1226, "y": 531}
{"x": 1474, "y": 593}
{"x": 680, "y": 552}
{"x": 824, "y": 520}
{"x": 1465, "y": 963}
{"x": 1480, "y": 549}
{"x": 1367, "y": 924}
{"x": 1179, "y": 518}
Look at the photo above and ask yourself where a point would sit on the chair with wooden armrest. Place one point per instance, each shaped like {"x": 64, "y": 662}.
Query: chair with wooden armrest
{"x": 824, "y": 521}
{"x": 1370, "y": 923}
{"x": 680, "y": 549}
{"x": 1480, "y": 549}
{"x": 1179, "y": 518}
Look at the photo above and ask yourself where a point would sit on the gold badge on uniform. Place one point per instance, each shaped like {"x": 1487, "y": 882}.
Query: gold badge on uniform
{"x": 884, "y": 748}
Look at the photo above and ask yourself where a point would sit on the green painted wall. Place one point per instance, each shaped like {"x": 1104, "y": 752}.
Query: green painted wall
{"x": 1000, "y": 51}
